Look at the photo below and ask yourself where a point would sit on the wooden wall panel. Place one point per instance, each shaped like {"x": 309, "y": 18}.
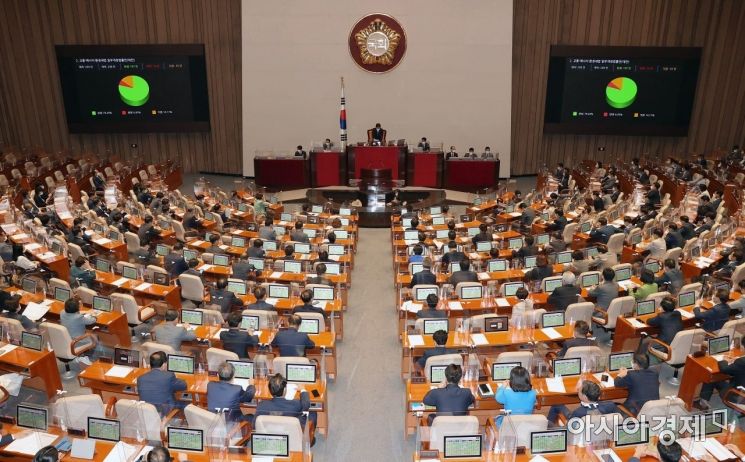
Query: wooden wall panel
{"x": 718, "y": 118}
{"x": 31, "y": 109}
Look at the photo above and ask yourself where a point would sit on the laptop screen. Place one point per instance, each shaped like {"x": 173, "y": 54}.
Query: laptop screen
{"x": 129, "y": 272}
{"x": 333, "y": 268}
{"x": 585, "y": 227}
{"x": 631, "y": 435}
{"x": 645, "y": 307}
{"x": 623, "y": 274}
{"x": 193, "y": 317}
{"x": 243, "y": 369}
{"x": 501, "y": 371}
{"x": 471, "y": 292}
{"x": 279, "y": 291}
{"x": 497, "y": 265}
{"x": 323, "y": 293}
{"x": 162, "y": 250}
{"x": 125, "y": 357}
{"x": 653, "y": 266}
{"x": 531, "y": 261}
{"x": 305, "y": 373}
{"x": 437, "y": 373}
{"x": 473, "y": 231}
{"x": 257, "y": 262}
{"x": 496, "y": 324}
{"x": 542, "y": 239}
{"x": 483, "y": 246}
{"x": 422, "y": 293}
{"x": 238, "y": 241}
{"x": 28, "y": 285}
{"x": 182, "y": 364}
{"x": 548, "y": 442}
{"x": 269, "y": 246}
{"x": 345, "y": 211}
{"x": 616, "y": 361}
{"x": 509, "y": 289}
{"x": 553, "y": 319}
{"x": 438, "y": 220}
{"x": 718, "y": 345}
{"x": 190, "y": 254}
{"x": 591, "y": 252}
{"x": 61, "y": 294}
{"x": 335, "y": 249}
{"x": 303, "y": 248}
{"x": 433, "y": 325}
{"x": 31, "y": 417}
{"x": 101, "y": 303}
{"x": 270, "y": 445}
{"x": 103, "y": 429}
{"x": 460, "y": 447}
{"x": 566, "y": 367}
{"x": 237, "y": 287}
{"x": 221, "y": 260}
{"x": 442, "y": 233}
{"x": 249, "y": 322}
{"x": 515, "y": 243}
{"x": 564, "y": 257}
{"x": 550, "y": 284}
{"x": 316, "y": 209}
{"x": 416, "y": 267}
{"x": 589, "y": 280}
{"x": 293, "y": 266}
{"x": 435, "y": 210}
{"x": 686, "y": 299}
{"x": 187, "y": 439}
{"x": 309, "y": 326}
{"x": 31, "y": 341}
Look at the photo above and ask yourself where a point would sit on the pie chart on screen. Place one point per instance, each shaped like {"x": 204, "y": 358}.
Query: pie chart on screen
{"x": 620, "y": 92}
{"x": 134, "y": 90}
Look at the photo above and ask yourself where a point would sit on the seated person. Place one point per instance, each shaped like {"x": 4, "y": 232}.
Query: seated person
{"x": 566, "y": 294}
{"x": 732, "y": 367}
{"x": 308, "y": 306}
{"x": 320, "y": 277}
{"x": 289, "y": 252}
{"x": 556, "y": 244}
{"x": 377, "y": 136}
{"x": 517, "y": 394}
{"x": 642, "y": 382}
{"x": 522, "y": 312}
{"x": 236, "y": 340}
{"x": 603, "y": 231}
{"x": 464, "y": 275}
{"x": 416, "y": 255}
{"x": 257, "y": 249}
{"x": 297, "y": 234}
{"x": 82, "y": 273}
{"x": 672, "y": 276}
{"x": 581, "y": 338}
{"x": 214, "y": 247}
{"x": 647, "y": 288}
{"x": 559, "y": 222}
{"x": 225, "y": 299}
{"x": 453, "y": 255}
{"x": 542, "y": 269}
{"x": 673, "y": 238}
{"x": 527, "y": 250}
{"x": 170, "y": 333}
{"x": 715, "y": 317}
{"x": 278, "y": 405}
{"x": 440, "y": 338}
{"x": 291, "y": 342}
{"x": 449, "y": 398}
{"x": 423, "y": 144}
{"x": 431, "y": 310}
{"x": 300, "y": 152}
{"x": 588, "y": 393}
{"x": 483, "y": 235}
{"x": 579, "y": 265}
{"x": 267, "y": 232}
{"x": 75, "y": 322}
{"x": 669, "y": 322}
{"x": 739, "y": 304}
{"x": 174, "y": 262}
{"x": 158, "y": 385}
{"x": 260, "y": 303}
{"x": 193, "y": 271}
{"x": 527, "y": 217}
{"x": 222, "y": 394}
{"x": 606, "y": 292}
{"x": 11, "y": 306}
{"x": 241, "y": 267}
{"x": 425, "y": 276}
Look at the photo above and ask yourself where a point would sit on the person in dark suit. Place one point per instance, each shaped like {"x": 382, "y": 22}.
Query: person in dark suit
{"x": 425, "y": 276}
{"x": 603, "y": 232}
{"x": 560, "y": 221}
{"x": 673, "y": 238}
{"x": 482, "y": 236}
{"x": 542, "y": 269}
{"x": 453, "y": 255}
{"x": 653, "y": 196}
{"x": 378, "y": 134}
{"x": 320, "y": 277}
{"x": 158, "y": 385}
{"x": 672, "y": 276}
{"x": 597, "y": 202}
{"x": 256, "y": 250}
{"x": 236, "y": 340}
{"x": 289, "y": 252}
{"x": 471, "y": 154}
{"x": 704, "y": 208}
{"x": 527, "y": 250}
{"x": 241, "y": 267}
{"x": 174, "y": 262}
{"x": 714, "y": 318}
{"x": 423, "y": 144}
{"x": 440, "y": 338}
{"x": 299, "y": 152}
{"x": 226, "y": 299}
{"x": 298, "y": 235}
{"x": 581, "y": 333}
{"x": 564, "y": 295}
{"x": 450, "y": 399}
{"x": 452, "y": 154}
{"x": 291, "y": 342}
{"x": 278, "y": 405}
{"x": 225, "y": 395}
{"x": 431, "y": 310}
{"x": 306, "y": 296}
{"x": 193, "y": 271}
{"x": 687, "y": 230}
{"x": 734, "y": 368}
{"x": 11, "y": 306}
{"x": 260, "y": 303}
{"x": 464, "y": 275}
{"x": 328, "y": 144}
{"x": 527, "y": 217}
{"x": 588, "y": 393}
{"x": 214, "y": 247}
{"x": 669, "y": 322}
{"x": 147, "y": 231}
{"x": 642, "y": 382}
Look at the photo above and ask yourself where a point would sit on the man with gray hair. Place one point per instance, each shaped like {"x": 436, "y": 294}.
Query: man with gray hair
{"x": 223, "y": 395}
{"x": 170, "y": 333}
{"x": 565, "y": 295}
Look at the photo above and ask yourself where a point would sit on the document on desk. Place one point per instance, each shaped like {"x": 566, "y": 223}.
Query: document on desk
{"x": 102, "y": 241}
{"x": 119, "y": 371}
{"x": 334, "y": 257}
{"x": 718, "y": 450}
{"x": 143, "y": 286}
{"x": 455, "y": 305}
{"x": 120, "y": 282}
{"x": 31, "y": 247}
{"x": 685, "y": 314}
{"x": 695, "y": 449}
{"x": 411, "y": 307}
{"x": 410, "y": 241}
{"x": 479, "y": 339}
{"x": 47, "y": 255}
{"x": 551, "y": 333}
{"x": 276, "y": 274}
{"x": 47, "y": 302}
{"x": 484, "y": 276}
{"x": 601, "y": 453}
{"x": 502, "y": 302}
{"x": 196, "y": 243}
{"x": 607, "y": 384}
{"x": 206, "y": 267}
{"x": 555, "y": 385}
{"x": 19, "y": 236}
{"x": 538, "y": 458}
{"x": 262, "y": 459}
{"x": 121, "y": 452}
{"x": 474, "y": 255}
{"x": 7, "y": 349}
{"x": 272, "y": 301}
{"x": 35, "y": 311}
{"x": 636, "y": 323}
{"x": 415, "y": 340}
{"x": 30, "y": 443}
{"x": 291, "y": 391}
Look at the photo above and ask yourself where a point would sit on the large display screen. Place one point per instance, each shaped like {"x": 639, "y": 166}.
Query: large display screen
{"x": 621, "y": 90}
{"x": 134, "y": 88}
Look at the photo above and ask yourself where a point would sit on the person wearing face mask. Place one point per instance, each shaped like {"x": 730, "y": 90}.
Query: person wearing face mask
{"x": 487, "y": 154}
{"x": 451, "y": 154}
{"x": 471, "y": 154}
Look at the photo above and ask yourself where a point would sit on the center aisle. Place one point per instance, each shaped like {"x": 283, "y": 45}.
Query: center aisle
{"x": 366, "y": 420}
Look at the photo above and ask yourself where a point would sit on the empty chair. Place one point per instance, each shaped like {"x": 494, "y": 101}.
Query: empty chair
{"x": 588, "y": 354}
{"x": 133, "y": 242}
{"x": 618, "y": 307}
{"x": 212, "y": 317}
{"x": 615, "y": 243}
{"x": 11, "y": 328}
{"x": 443, "y": 426}
{"x": 279, "y": 364}
{"x": 522, "y": 426}
{"x": 178, "y": 230}
{"x": 4, "y": 180}
{"x": 136, "y": 314}
{"x": 525, "y": 358}
{"x": 673, "y": 254}
{"x": 75, "y": 251}
{"x": 732, "y": 328}
{"x": 75, "y": 410}
{"x": 50, "y": 183}
{"x": 267, "y": 319}
{"x": 55, "y": 282}
{"x": 676, "y": 353}
{"x": 143, "y": 175}
{"x": 569, "y": 230}
{"x": 217, "y": 356}
{"x": 85, "y": 295}
{"x": 580, "y": 311}
{"x": 151, "y": 170}
{"x": 441, "y": 360}
{"x": 672, "y": 410}
{"x": 282, "y": 425}
{"x": 139, "y": 418}
{"x": 192, "y": 288}
{"x": 152, "y": 347}
{"x": 65, "y": 347}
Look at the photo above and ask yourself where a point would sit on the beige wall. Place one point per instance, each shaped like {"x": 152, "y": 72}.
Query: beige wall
{"x": 454, "y": 84}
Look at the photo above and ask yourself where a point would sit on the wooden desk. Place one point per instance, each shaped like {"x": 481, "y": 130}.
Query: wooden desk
{"x": 704, "y": 369}
{"x": 56, "y": 263}
{"x": 39, "y": 368}
{"x": 145, "y": 294}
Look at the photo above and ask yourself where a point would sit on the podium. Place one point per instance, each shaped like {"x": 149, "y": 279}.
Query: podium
{"x": 424, "y": 169}
{"x": 328, "y": 168}
{"x": 376, "y": 157}
{"x": 471, "y": 174}
{"x": 281, "y": 173}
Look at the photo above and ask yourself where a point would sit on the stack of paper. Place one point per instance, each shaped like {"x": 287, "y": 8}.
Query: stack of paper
{"x": 685, "y": 314}
{"x": 502, "y": 302}
{"x": 484, "y": 276}
{"x": 555, "y": 385}
{"x": 7, "y": 349}
{"x": 118, "y": 371}
{"x": 551, "y": 333}
{"x": 411, "y": 307}
{"x": 31, "y": 443}
{"x": 35, "y": 311}
{"x": 290, "y": 391}
{"x": 455, "y": 305}
{"x": 143, "y": 286}
{"x": 197, "y": 243}
{"x": 636, "y": 323}
{"x": 276, "y": 274}
{"x": 416, "y": 340}
{"x": 121, "y": 452}
{"x": 479, "y": 339}
{"x": 718, "y": 450}
{"x": 102, "y": 241}
{"x": 120, "y": 282}
{"x": 206, "y": 267}
{"x": 31, "y": 247}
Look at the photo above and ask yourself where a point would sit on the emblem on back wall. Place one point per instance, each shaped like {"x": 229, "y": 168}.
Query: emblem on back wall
{"x": 377, "y": 43}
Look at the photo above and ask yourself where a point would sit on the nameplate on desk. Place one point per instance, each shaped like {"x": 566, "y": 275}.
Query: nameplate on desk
{"x": 415, "y": 340}
{"x": 551, "y": 333}
{"x": 120, "y": 282}
{"x": 143, "y": 286}
{"x": 685, "y": 314}
{"x": 636, "y": 323}
{"x": 455, "y": 305}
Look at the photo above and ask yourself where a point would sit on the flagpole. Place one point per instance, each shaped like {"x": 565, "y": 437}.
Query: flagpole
{"x": 343, "y": 119}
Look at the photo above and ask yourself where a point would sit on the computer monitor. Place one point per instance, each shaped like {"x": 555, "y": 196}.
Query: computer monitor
{"x": 589, "y": 280}
{"x": 591, "y": 252}
{"x": 129, "y": 272}
{"x": 57, "y": 247}
{"x": 182, "y": 364}
{"x": 242, "y": 369}
{"x": 515, "y": 243}
{"x": 464, "y": 218}
{"x": 207, "y": 236}
{"x": 406, "y": 222}
{"x": 623, "y": 274}
{"x": 497, "y": 265}
{"x": 209, "y": 216}
{"x": 293, "y": 266}
{"x": 103, "y": 265}
{"x": 28, "y": 285}
{"x": 472, "y": 231}
{"x": 238, "y": 241}
{"x": 442, "y": 233}
{"x": 280, "y": 231}
{"x": 686, "y": 299}
{"x": 421, "y": 293}
{"x": 553, "y": 319}
{"x": 483, "y": 246}
{"x": 309, "y": 326}
{"x": 567, "y": 367}
{"x": 545, "y": 216}
{"x": 162, "y": 250}
{"x": 323, "y": 293}
{"x": 718, "y": 345}
{"x": 102, "y": 303}
{"x": 190, "y": 255}
{"x": 278, "y": 291}
{"x": 62, "y": 294}
{"x": 501, "y": 371}
{"x": 335, "y": 249}
{"x": 439, "y": 220}
{"x": 243, "y": 207}
{"x": 585, "y": 227}
{"x": 36, "y": 418}
{"x": 302, "y": 248}
{"x": 635, "y": 238}
{"x": 237, "y": 287}
{"x": 509, "y": 209}
{"x": 617, "y": 361}
{"x": 435, "y": 210}
{"x": 548, "y": 442}
{"x": 185, "y": 439}
{"x": 631, "y": 435}
{"x": 709, "y": 423}
{"x": 258, "y": 263}
{"x": 437, "y": 373}
{"x": 286, "y": 217}
{"x": 250, "y": 322}
{"x": 269, "y": 246}
{"x": 496, "y": 324}
{"x": 645, "y": 307}
{"x": 341, "y": 233}
{"x": 471, "y": 292}
{"x": 344, "y": 211}
{"x": 31, "y": 341}
{"x": 509, "y": 289}
{"x": 161, "y": 279}
{"x": 221, "y": 260}
{"x": 126, "y": 357}
{"x": 462, "y": 447}
{"x": 411, "y": 235}
{"x": 416, "y": 267}
{"x": 103, "y": 429}
{"x": 316, "y": 209}
{"x": 333, "y": 268}
{"x": 531, "y": 261}
{"x": 98, "y": 228}
{"x": 564, "y": 258}
{"x": 194, "y": 317}
{"x": 270, "y": 445}
{"x": 542, "y": 239}
{"x": 550, "y": 284}
{"x": 455, "y": 266}
{"x": 431, "y": 326}
{"x": 302, "y": 373}
{"x": 695, "y": 251}
{"x": 653, "y": 266}
{"x": 310, "y": 232}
